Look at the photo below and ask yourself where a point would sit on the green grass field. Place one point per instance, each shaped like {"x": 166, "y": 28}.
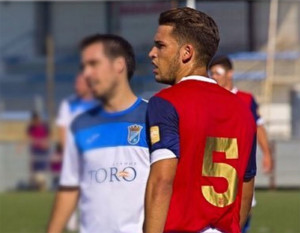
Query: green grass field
{"x": 276, "y": 212}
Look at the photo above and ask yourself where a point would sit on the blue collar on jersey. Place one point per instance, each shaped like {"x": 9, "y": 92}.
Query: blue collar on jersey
{"x": 123, "y": 112}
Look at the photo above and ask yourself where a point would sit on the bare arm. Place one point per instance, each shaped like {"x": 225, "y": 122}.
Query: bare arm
{"x": 64, "y": 205}
{"x": 247, "y": 195}
{"x": 62, "y": 121}
{"x": 267, "y": 161}
{"x": 62, "y": 135}
{"x": 158, "y": 194}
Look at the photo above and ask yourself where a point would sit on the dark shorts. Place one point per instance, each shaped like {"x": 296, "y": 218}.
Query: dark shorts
{"x": 39, "y": 158}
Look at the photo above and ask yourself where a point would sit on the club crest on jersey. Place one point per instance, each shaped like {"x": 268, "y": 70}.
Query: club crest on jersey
{"x": 134, "y": 134}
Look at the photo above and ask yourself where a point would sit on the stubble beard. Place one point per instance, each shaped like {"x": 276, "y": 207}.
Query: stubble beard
{"x": 170, "y": 76}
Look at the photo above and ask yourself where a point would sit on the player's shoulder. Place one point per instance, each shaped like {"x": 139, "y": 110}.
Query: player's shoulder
{"x": 71, "y": 99}
{"x": 162, "y": 98}
{"x": 192, "y": 89}
{"x": 143, "y": 103}
{"x": 68, "y": 100}
{"x": 243, "y": 110}
{"x": 167, "y": 93}
{"x": 86, "y": 119}
{"x": 237, "y": 103}
{"x": 246, "y": 97}
{"x": 137, "y": 112}
{"x": 160, "y": 102}
{"x": 97, "y": 115}
{"x": 244, "y": 94}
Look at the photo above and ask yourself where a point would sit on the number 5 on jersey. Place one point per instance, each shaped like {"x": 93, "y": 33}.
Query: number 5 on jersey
{"x": 224, "y": 170}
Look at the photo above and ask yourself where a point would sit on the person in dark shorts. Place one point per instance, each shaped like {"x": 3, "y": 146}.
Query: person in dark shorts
{"x": 38, "y": 136}
{"x": 56, "y": 164}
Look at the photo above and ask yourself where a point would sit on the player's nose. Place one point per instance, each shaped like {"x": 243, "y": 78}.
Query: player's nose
{"x": 152, "y": 53}
{"x": 86, "y": 71}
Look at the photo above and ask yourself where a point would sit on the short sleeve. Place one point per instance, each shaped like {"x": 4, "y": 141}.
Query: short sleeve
{"x": 71, "y": 165}
{"x": 255, "y": 113}
{"x": 163, "y": 132}
{"x": 63, "y": 118}
{"x": 251, "y": 167}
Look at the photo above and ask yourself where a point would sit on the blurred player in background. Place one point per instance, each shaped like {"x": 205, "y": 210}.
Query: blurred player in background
{"x": 38, "y": 137}
{"x": 198, "y": 141}
{"x": 221, "y": 70}
{"x": 74, "y": 105}
{"x": 71, "y": 107}
{"x": 56, "y": 164}
{"x": 106, "y": 161}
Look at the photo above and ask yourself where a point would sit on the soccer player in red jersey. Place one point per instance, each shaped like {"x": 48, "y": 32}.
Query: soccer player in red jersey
{"x": 221, "y": 70}
{"x": 202, "y": 137}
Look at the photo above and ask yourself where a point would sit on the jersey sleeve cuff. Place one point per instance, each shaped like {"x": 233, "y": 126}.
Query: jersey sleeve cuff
{"x": 249, "y": 175}
{"x": 161, "y": 154}
{"x": 68, "y": 183}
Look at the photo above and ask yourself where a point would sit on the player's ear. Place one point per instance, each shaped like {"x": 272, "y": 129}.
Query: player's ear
{"x": 230, "y": 74}
{"x": 187, "y": 52}
{"x": 120, "y": 64}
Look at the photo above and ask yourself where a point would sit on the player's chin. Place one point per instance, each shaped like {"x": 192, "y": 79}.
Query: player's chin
{"x": 164, "y": 80}
{"x": 97, "y": 94}
{"x": 159, "y": 78}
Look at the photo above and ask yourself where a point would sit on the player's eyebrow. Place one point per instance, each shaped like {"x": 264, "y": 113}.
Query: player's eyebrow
{"x": 158, "y": 43}
{"x": 91, "y": 62}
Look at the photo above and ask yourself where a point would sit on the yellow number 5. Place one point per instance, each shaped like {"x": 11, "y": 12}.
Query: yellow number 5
{"x": 211, "y": 169}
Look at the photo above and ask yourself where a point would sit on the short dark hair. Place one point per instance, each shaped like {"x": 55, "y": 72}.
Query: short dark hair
{"x": 114, "y": 46}
{"x": 196, "y": 27}
{"x": 223, "y": 61}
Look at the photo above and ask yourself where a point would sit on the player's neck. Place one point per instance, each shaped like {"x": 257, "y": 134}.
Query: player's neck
{"x": 229, "y": 86}
{"x": 188, "y": 71}
{"x": 121, "y": 99}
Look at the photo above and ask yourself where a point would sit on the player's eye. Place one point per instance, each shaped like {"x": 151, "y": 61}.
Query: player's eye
{"x": 92, "y": 63}
{"x": 158, "y": 45}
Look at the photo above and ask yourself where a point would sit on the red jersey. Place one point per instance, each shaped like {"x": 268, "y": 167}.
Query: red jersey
{"x": 215, "y": 139}
{"x": 249, "y": 100}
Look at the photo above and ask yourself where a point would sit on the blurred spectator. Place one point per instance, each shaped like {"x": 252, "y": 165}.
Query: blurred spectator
{"x": 38, "y": 136}
{"x": 56, "y": 164}
{"x": 74, "y": 105}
